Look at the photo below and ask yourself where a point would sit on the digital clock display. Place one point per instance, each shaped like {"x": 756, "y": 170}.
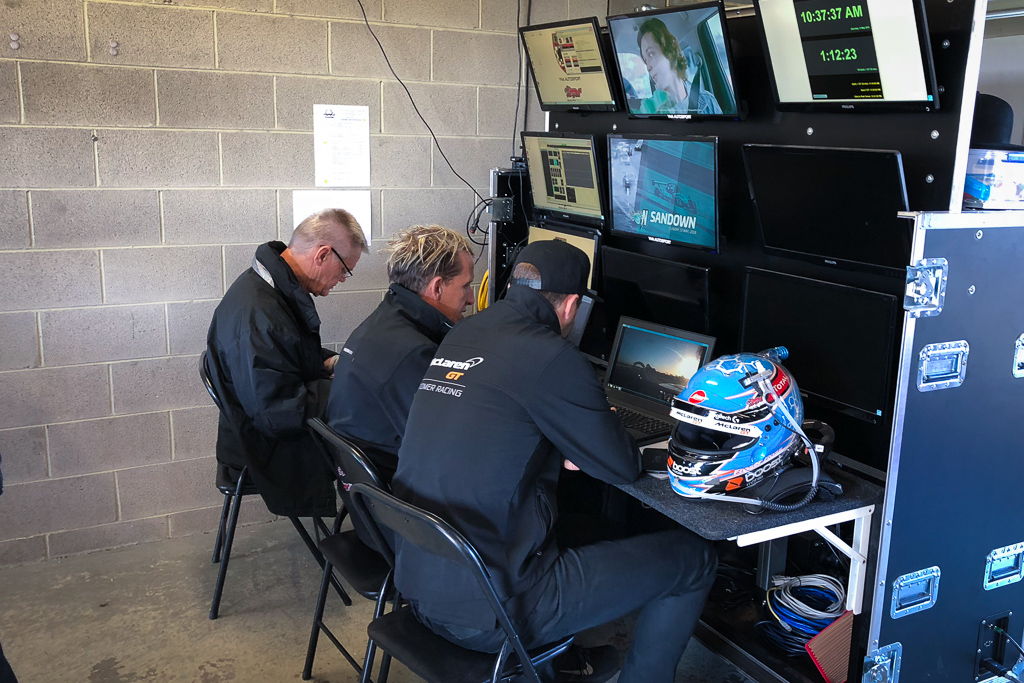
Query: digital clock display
{"x": 848, "y": 54}
{"x": 815, "y": 16}
{"x": 834, "y": 54}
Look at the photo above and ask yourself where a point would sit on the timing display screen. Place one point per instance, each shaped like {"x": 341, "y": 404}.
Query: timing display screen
{"x": 846, "y": 51}
{"x": 664, "y": 189}
{"x": 563, "y": 174}
{"x": 567, "y": 65}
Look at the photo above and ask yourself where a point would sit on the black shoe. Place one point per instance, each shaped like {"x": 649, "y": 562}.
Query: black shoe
{"x": 587, "y": 664}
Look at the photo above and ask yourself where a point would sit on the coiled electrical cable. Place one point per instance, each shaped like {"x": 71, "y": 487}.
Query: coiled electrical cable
{"x": 802, "y": 607}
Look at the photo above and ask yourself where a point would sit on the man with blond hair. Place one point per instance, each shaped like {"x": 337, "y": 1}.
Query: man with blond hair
{"x": 269, "y": 368}
{"x": 430, "y": 269}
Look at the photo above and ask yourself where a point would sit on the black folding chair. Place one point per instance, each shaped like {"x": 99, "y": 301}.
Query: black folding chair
{"x": 400, "y": 635}
{"x": 362, "y": 567}
{"x": 234, "y": 488}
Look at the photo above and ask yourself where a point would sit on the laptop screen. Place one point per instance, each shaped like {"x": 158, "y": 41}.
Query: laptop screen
{"x": 653, "y": 362}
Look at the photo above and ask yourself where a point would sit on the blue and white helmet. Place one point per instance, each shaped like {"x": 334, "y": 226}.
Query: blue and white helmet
{"x": 737, "y": 422}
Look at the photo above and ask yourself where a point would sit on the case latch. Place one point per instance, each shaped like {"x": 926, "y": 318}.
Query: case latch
{"x": 1018, "y": 357}
{"x": 926, "y": 287}
{"x": 1004, "y": 566}
{"x": 883, "y": 665}
{"x": 915, "y": 592}
{"x": 942, "y": 365}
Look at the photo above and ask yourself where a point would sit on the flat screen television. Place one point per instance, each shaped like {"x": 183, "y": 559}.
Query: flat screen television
{"x": 861, "y": 55}
{"x": 832, "y": 206}
{"x": 665, "y": 188}
{"x": 587, "y": 241}
{"x": 840, "y": 338}
{"x": 676, "y": 62}
{"x": 568, "y": 68}
{"x": 564, "y": 180}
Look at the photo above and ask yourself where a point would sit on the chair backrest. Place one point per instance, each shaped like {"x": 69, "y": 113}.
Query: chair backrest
{"x": 432, "y": 534}
{"x": 348, "y": 463}
{"x": 993, "y": 121}
{"x": 204, "y": 374}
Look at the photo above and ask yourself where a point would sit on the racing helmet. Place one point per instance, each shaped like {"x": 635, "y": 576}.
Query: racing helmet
{"x": 730, "y": 432}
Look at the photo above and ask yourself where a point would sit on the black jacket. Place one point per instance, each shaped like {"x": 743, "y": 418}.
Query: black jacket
{"x": 503, "y": 402}
{"x": 380, "y": 367}
{"x": 267, "y": 366}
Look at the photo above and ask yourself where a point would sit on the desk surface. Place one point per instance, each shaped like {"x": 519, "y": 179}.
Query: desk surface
{"x": 718, "y": 521}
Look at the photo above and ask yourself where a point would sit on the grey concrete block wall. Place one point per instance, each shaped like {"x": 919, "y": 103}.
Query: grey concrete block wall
{"x": 148, "y": 149}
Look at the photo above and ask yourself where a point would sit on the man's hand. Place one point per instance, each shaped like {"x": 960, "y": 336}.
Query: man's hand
{"x": 329, "y": 364}
{"x": 569, "y": 465}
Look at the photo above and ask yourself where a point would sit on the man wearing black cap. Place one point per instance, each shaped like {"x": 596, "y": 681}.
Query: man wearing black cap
{"x": 504, "y": 403}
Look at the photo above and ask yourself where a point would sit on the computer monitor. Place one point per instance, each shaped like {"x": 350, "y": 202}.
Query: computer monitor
{"x": 665, "y": 188}
{"x": 563, "y": 177}
{"x": 840, "y": 338}
{"x": 832, "y": 206}
{"x": 676, "y": 62}
{"x": 655, "y": 289}
{"x": 862, "y": 55}
{"x": 654, "y": 362}
{"x": 568, "y": 68}
{"x": 588, "y": 241}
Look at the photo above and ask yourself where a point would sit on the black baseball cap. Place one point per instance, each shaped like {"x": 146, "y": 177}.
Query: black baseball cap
{"x": 564, "y": 269}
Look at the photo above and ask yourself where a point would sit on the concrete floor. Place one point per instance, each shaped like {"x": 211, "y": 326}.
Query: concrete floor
{"x": 139, "y": 614}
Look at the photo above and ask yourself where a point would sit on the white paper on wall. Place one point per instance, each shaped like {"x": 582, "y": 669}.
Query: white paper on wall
{"x": 341, "y": 145}
{"x": 356, "y": 202}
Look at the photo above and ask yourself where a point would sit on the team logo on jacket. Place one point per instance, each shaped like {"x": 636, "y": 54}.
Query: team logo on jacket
{"x": 456, "y": 364}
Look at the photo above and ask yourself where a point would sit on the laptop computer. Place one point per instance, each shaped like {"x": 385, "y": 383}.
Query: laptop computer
{"x": 648, "y": 366}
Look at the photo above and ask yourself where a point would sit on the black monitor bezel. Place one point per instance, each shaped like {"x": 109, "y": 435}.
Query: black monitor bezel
{"x": 867, "y": 106}
{"x": 720, "y": 4}
{"x": 577, "y": 231}
{"x": 825, "y": 259}
{"x": 856, "y": 412}
{"x": 612, "y": 106}
{"x": 542, "y": 214}
{"x": 650, "y": 238}
{"x": 632, "y": 400}
{"x": 704, "y": 270}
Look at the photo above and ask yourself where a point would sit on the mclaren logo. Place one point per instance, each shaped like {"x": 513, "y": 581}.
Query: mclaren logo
{"x": 457, "y": 364}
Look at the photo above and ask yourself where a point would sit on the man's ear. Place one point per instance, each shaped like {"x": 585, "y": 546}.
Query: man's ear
{"x": 568, "y": 308}
{"x": 432, "y": 290}
{"x": 321, "y": 254}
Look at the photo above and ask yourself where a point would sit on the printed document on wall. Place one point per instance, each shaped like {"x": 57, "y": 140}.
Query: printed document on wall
{"x": 356, "y": 202}
{"x": 341, "y": 145}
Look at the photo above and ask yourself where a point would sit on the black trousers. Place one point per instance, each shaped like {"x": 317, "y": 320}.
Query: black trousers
{"x": 666, "y": 575}
{"x": 6, "y": 673}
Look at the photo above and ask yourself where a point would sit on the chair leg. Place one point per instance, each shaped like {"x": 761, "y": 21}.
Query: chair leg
{"x": 371, "y": 645}
{"x": 319, "y": 559}
{"x": 219, "y": 543}
{"x": 318, "y": 615}
{"x": 385, "y": 659}
{"x": 229, "y": 538}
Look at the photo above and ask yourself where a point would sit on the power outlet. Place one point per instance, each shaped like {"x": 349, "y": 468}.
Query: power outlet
{"x": 993, "y": 645}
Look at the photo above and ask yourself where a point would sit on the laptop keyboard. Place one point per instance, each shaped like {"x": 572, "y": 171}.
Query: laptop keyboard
{"x": 642, "y": 423}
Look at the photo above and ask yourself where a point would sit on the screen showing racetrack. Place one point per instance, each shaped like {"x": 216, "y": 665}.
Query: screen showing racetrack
{"x": 654, "y": 365}
{"x": 567, "y": 65}
{"x": 846, "y": 51}
{"x": 665, "y": 190}
{"x": 563, "y": 174}
{"x": 675, "y": 62}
